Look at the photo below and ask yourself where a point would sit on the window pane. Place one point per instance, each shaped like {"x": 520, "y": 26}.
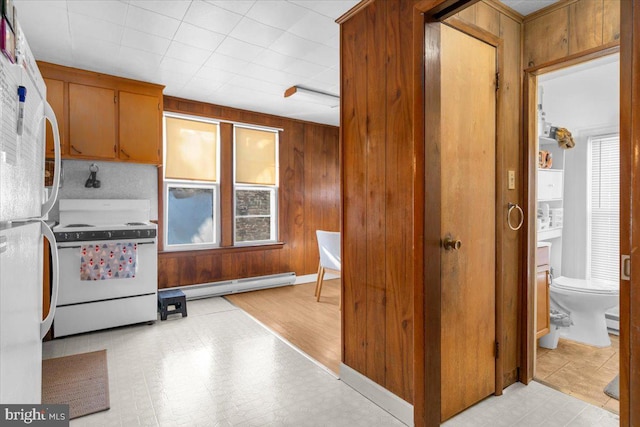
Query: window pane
{"x": 255, "y": 156}
{"x": 190, "y": 215}
{"x": 254, "y": 214}
{"x": 251, "y": 229}
{"x": 191, "y": 149}
{"x": 253, "y": 202}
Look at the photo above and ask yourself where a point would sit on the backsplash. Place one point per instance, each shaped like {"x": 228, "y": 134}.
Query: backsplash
{"x": 117, "y": 181}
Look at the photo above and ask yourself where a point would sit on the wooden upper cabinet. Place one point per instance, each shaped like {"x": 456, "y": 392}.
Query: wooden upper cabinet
{"x": 55, "y": 98}
{"x": 139, "y": 120}
{"x": 104, "y": 117}
{"x": 92, "y": 122}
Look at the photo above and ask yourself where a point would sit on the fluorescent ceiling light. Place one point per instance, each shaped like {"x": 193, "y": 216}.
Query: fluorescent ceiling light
{"x": 312, "y": 95}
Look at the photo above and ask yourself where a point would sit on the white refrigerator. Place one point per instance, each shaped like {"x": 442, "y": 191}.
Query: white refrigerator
{"x": 23, "y": 111}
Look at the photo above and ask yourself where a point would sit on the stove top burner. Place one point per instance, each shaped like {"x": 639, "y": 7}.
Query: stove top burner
{"x": 79, "y": 225}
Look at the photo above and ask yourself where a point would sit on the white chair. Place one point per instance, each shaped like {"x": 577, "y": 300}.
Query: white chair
{"x": 329, "y": 247}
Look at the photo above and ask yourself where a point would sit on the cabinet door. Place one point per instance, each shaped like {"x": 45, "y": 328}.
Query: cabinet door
{"x": 92, "y": 122}
{"x": 550, "y": 183}
{"x": 55, "y": 98}
{"x": 542, "y": 306}
{"x": 139, "y": 117}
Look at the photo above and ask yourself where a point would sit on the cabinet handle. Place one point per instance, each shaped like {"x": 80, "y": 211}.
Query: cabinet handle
{"x": 75, "y": 149}
{"x": 124, "y": 152}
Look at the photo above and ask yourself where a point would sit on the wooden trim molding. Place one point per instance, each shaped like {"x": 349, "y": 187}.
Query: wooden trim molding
{"x": 505, "y": 10}
{"x": 220, "y": 251}
{"x": 354, "y": 11}
{"x": 578, "y": 58}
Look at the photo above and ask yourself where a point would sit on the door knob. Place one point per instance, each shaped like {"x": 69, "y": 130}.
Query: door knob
{"x": 451, "y": 244}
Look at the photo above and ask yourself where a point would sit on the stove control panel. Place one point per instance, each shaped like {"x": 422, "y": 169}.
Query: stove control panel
{"x": 93, "y": 235}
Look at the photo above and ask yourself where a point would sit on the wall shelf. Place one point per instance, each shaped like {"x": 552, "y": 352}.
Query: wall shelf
{"x": 549, "y": 233}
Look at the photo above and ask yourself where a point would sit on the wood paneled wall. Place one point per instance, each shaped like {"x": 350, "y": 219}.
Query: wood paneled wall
{"x": 506, "y": 24}
{"x": 568, "y": 28}
{"x": 308, "y": 199}
{"x": 378, "y": 194}
{"x": 383, "y": 167}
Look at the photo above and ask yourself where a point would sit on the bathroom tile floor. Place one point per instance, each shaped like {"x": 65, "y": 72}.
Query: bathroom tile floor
{"x": 219, "y": 367}
{"x": 580, "y": 370}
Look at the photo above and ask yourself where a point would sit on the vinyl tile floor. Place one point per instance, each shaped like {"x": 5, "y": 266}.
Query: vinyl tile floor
{"x": 220, "y": 367}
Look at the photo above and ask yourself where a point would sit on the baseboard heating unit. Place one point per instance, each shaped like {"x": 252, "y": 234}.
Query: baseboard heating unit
{"x": 227, "y": 287}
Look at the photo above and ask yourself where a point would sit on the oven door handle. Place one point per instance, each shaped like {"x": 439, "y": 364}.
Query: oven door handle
{"x": 45, "y": 325}
{"x": 79, "y": 246}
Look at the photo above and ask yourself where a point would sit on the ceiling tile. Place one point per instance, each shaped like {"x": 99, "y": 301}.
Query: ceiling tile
{"x": 258, "y": 85}
{"x": 224, "y": 62}
{"x": 219, "y": 77}
{"x": 111, "y": 11}
{"x": 254, "y": 32}
{"x": 151, "y": 22}
{"x": 277, "y": 14}
{"x": 212, "y": 18}
{"x": 239, "y": 49}
{"x": 305, "y": 69}
{"x": 330, "y": 76}
{"x": 323, "y": 55}
{"x": 172, "y": 8}
{"x": 334, "y": 9}
{"x": 179, "y": 66}
{"x": 187, "y": 53}
{"x": 141, "y": 61}
{"x": 198, "y": 37}
{"x": 83, "y": 26}
{"x": 292, "y": 45}
{"x": 269, "y": 75}
{"x": 315, "y": 27}
{"x": 96, "y": 55}
{"x": 272, "y": 59}
{"x": 39, "y": 31}
{"x": 144, "y": 41}
{"x": 237, "y": 6}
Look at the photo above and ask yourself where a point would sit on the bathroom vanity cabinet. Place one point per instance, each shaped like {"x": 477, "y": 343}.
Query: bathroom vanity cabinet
{"x": 542, "y": 290}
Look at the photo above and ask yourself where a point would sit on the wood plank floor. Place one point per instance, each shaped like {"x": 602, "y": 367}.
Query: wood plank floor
{"x": 293, "y": 313}
{"x": 581, "y": 370}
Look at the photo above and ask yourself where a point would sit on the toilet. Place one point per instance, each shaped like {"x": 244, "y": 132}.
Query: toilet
{"x": 586, "y": 301}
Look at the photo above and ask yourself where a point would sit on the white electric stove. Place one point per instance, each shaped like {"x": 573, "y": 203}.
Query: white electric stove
{"x": 108, "y": 265}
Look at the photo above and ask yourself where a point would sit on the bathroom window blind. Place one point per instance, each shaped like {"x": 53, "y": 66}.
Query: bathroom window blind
{"x": 604, "y": 219}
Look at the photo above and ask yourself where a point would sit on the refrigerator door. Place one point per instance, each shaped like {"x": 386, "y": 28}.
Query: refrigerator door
{"x": 21, "y": 255}
{"x": 22, "y": 148}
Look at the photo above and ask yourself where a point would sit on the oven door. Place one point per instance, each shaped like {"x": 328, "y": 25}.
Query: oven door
{"x": 74, "y": 290}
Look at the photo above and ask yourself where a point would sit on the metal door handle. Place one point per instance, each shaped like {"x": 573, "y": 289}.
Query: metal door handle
{"x": 450, "y": 244}
{"x": 625, "y": 267}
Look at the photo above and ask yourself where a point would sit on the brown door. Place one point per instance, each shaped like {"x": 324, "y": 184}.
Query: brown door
{"x": 468, "y": 181}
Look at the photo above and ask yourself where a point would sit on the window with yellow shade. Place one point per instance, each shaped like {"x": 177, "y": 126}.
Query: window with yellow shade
{"x": 191, "y": 182}
{"x": 255, "y": 185}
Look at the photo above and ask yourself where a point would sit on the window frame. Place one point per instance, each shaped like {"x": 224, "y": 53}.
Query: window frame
{"x": 168, "y": 183}
{"x": 590, "y": 139}
{"x": 274, "y": 189}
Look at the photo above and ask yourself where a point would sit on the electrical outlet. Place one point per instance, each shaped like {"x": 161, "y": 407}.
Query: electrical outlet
{"x": 512, "y": 180}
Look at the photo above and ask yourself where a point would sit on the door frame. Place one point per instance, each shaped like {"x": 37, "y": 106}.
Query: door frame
{"x": 529, "y": 94}
{"x": 432, "y": 311}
